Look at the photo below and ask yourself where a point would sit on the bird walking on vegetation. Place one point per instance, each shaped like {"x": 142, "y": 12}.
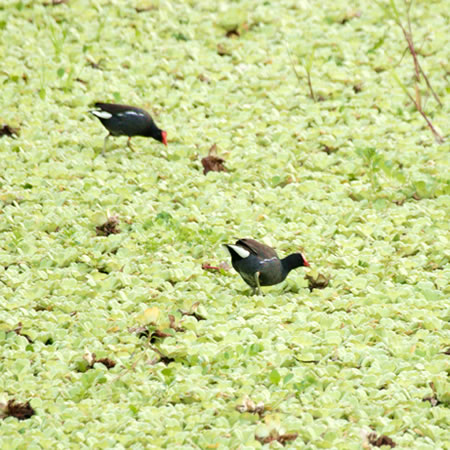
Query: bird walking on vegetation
{"x": 259, "y": 265}
{"x": 125, "y": 120}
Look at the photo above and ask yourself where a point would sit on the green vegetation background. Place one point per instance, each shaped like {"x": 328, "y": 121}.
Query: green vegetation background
{"x": 355, "y": 179}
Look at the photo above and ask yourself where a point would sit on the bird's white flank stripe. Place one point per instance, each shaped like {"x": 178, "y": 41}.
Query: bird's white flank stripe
{"x": 240, "y": 251}
{"x": 102, "y": 114}
{"x": 133, "y": 113}
{"x": 268, "y": 260}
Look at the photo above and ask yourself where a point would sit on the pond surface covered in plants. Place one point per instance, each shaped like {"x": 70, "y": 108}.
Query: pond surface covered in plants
{"x": 111, "y": 325}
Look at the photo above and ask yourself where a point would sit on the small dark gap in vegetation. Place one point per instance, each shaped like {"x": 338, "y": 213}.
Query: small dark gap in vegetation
{"x": 234, "y": 33}
{"x": 180, "y": 37}
{"x": 357, "y": 87}
{"x": 166, "y": 360}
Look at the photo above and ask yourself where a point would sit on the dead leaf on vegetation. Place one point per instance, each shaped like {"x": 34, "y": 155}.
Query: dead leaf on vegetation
{"x": 109, "y": 227}
{"x": 248, "y": 405}
{"x": 7, "y": 130}
{"x": 318, "y": 282}
{"x": 91, "y": 359}
{"x": 283, "y": 439}
{"x": 212, "y": 162}
{"x": 21, "y": 411}
{"x": 378, "y": 441}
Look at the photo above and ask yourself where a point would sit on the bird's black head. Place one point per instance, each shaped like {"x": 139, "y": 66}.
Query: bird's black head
{"x": 157, "y": 134}
{"x": 295, "y": 260}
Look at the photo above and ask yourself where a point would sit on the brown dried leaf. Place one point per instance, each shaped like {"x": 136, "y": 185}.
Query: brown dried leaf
{"x": 212, "y": 162}
{"x": 378, "y": 441}
{"x": 159, "y": 334}
{"x": 275, "y": 436}
{"x": 109, "y": 227}
{"x": 108, "y": 363}
{"x": 248, "y": 405}
{"x": 91, "y": 359}
{"x": 319, "y": 282}
{"x": 173, "y": 325}
{"x": 6, "y": 130}
{"x": 21, "y": 411}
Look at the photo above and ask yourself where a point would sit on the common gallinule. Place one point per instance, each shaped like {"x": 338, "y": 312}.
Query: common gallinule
{"x": 259, "y": 265}
{"x": 124, "y": 120}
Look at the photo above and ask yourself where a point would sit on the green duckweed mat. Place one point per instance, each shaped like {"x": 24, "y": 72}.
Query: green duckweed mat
{"x": 126, "y": 340}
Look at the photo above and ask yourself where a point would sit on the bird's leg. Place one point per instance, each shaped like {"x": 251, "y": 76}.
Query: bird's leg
{"x": 104, "y": 144}
{"x": 129, "y": 143}
{"x": 257, "y": 290}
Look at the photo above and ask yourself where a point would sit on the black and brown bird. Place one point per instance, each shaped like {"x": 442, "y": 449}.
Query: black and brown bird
{"x": 259, "y": 265}
{"x": 125, "y": 120}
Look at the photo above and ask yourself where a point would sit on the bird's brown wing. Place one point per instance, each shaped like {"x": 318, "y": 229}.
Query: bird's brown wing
{"x": 255, "y": 247}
